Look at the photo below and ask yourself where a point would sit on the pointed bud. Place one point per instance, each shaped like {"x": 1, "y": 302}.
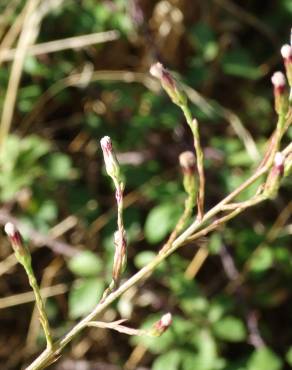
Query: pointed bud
{"x": 111, "y": 163}
{"x": 279, "y": 83}
{"x": 279, "y": 163}
{"x": 162, "y": 325}
{"x": 16, "y": 241}
{"x": 168, "y": 83}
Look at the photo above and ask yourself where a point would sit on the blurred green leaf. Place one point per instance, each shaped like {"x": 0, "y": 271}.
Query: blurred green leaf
{"x": 230, "y": 328}
{"x": 84, "y": 296}
{"x": 264, "y": 359}
{"x": 261, "y": 260}
{"x": 239, "y": 63}
{"x": 85, "y": 263}
{"x": 160, "y": 221}
{"x": 169, "y": 361}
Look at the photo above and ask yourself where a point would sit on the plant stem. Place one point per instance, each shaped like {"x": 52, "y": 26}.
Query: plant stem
{"x": 200, "y": 158}
{"x": 40, "y": 305}
{"x": 50, "y": 355}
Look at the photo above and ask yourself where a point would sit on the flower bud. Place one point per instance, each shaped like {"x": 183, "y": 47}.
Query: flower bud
{"x": 279, "y": 83}
{"x": 162, "y": 325}
{"x": 111, "y": 163}
{"x": 21, "y": 252}
{"x": 187, "y": 161}
{"x": 286, "y": 52}
{"x": 168, "y": 83}
{"x": 273, "y": 180}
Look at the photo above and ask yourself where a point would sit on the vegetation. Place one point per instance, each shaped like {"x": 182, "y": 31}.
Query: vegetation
{"x": 130, "y": 236}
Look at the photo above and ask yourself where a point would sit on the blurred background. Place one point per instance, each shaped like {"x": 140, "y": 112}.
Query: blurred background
{"x": 59, "y": 96}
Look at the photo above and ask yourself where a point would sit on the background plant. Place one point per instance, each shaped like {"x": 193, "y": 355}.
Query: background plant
{"x": 227, "y": 55}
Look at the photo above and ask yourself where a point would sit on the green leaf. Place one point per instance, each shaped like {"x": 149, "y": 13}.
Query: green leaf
{"x": 264, "y": 359}
{"x": 289, "y": 356}
{"x": 85, "y": 264}
{"x": 262, "y": 260}
{"x": 239, "y": 63}
{"x": 59, "y": 166}
{"x": 84, "y": 296}
{"x": 160, "y": 221}
{"x": 143, "y": 258}
{"x": 230, "y": 328}
{"x": 169, "y": 361}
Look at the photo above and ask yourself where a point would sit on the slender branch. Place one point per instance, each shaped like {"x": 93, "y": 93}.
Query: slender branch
{"x": 48, "y": 356}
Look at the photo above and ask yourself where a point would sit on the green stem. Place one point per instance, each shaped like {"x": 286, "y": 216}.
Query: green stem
{"x": 40, "y": 305}
{"x": 200, "y": 158}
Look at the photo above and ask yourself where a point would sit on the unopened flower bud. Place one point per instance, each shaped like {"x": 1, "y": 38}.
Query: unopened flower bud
{"x": 279, "y": 83}
{"x": 162, "y": 325}
{"x": 279, "y": 163}
{"x": 273, "y": 180}
{"x": 15, "y": 239}
{"x": 111, "y": 163}
{"x": 286, "y": 52}
{"x": 168, "y": 83}
{"x": 187, "y": 161}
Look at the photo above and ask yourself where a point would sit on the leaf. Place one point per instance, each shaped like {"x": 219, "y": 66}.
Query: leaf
{"x": 262, "y": 260}
{"x": 84, "y": 296}
{"x": 289, "y": 356}
{"x": 85, "y": 264}
{"x": 239, "y": 63}
{"x": 264, "y": 359}
{"x": 160, "y": 221}
{"x": 59, "y": 166}
{"x": 230, "y": 328}
{"x": 169, "y": 361}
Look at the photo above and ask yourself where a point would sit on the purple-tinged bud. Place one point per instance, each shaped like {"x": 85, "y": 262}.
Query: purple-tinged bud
{"x": 111, "y": 163}
{"x": 15, "y": 239}
{"x": 187, "y": 161}
{"x": 168, "y": 83}
{"x": 274, "y": 178}
{"x": 279, "y": 163}
{"x": 279, "y": 82}
{"x": 286, "y": 52}
{"x": 162, "y": 325}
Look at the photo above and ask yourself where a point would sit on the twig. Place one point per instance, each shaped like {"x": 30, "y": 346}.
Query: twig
{"x": 77, "y": 42}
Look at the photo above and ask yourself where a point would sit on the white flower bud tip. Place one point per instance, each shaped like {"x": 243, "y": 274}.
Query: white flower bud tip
{"x": 156, "y": 70}
{"x": 10, "y": 229}
{"x": 279, "y": 159}
{"x": 286, "y": 51}
{"x": 106, "y": 144}
{"x": 278, "y": 80}
{"x": 166, "y": 320}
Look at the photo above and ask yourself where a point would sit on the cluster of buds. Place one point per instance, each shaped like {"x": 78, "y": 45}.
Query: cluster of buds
{"x": 111, "y": 163}
{"x": 279, "y": 82}
{"x": 21, "y": 251}
{"x": 161, "y": 325}
{"x": 273, "y": 180}
{"x": 187, "y": 162}
{"x": 169, "y": 84}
